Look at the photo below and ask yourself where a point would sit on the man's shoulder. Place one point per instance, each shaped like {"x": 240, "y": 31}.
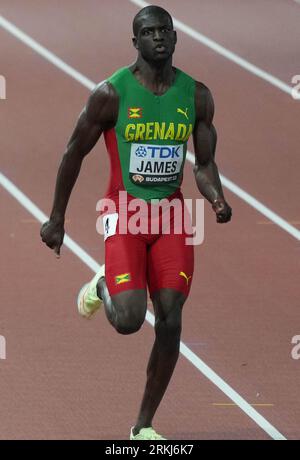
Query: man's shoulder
{"x": 119, "y": 76}
{"x": 202, "y": 89}
{"x": 204, "y": 102}
{"x": 102, "y": 106}
{"x": 184, "y": 77}
{"x": 199, "y": 88}
{"x": 199, "y": 84}
{"x": 203, "y": 94}
{"x": 103, "y": 92}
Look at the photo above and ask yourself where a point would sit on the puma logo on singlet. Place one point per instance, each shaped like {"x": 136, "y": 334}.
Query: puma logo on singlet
{"x": 183, "y": 112}
{"x": 186, "y": 277}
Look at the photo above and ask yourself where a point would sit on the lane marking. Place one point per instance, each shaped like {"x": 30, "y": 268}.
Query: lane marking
{"x": 31, "y": 207}
{"x": 254, "y": 203}
{"x": 80, "y": 78}
{"x": 45, "y": 53}
{"x": 234, "y": 405}
{"x": 225, "y": 52}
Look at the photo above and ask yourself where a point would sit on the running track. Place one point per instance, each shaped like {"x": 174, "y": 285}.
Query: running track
{"x": 65, "y": 378}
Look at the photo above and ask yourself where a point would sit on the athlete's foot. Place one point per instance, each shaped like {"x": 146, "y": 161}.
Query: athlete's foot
{"x": 145, "y": 434}
{"x": 88, "y": 302}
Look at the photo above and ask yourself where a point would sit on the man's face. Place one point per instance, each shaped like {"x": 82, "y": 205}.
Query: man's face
{"x": 156, "y": 38}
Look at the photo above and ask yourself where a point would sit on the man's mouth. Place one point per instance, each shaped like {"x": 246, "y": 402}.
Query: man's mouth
{"x": 160, "y": 48}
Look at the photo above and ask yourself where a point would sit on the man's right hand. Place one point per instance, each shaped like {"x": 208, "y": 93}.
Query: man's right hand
{"x": 52, "y": 234}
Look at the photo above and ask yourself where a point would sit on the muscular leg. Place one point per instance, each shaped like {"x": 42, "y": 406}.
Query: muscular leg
{"x": 168, "y": 305}
{"x": 125, "y": 304}
{"x": 125, "y": 311}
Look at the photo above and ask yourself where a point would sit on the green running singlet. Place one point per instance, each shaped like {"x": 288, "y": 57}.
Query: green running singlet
{"x": 148, "y": 144}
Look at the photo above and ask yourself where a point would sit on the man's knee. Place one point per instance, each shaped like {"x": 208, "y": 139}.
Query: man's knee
{"x": 171, "y": 325}
{"x": 131, "y": 310}
{"x": 168, "y": 332}
{"x": 129, "y": 322}
{"x": 168, "y": 306}
{"x": 168, "y": 303}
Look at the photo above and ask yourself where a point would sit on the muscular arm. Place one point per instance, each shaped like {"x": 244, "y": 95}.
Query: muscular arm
{"x": 99, "y": 114}
{"x": 205, "y": 140}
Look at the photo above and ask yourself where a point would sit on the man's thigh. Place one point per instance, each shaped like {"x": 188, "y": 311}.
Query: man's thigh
{"x": 125, "y": 263}
{"x": 170, "y": 264}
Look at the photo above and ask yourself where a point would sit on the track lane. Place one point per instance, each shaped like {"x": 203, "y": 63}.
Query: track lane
{"x": 82, "y": 229}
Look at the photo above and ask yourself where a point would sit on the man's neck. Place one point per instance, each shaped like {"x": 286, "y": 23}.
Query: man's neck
{"x": 157, "y": 77}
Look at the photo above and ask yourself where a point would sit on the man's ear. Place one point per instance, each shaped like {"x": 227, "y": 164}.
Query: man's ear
{"x": 135, "y": 43}
{"x": 175, "y": 34}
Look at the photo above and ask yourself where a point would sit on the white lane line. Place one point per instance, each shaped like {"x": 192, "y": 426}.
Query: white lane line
{"x": 45, "y": 53}
{"x": 24, "y": 201}
{"x": 271, "y": 215}
{"x": 42, "y": 217}
{"x": 55, "y": 60}
{"x": 254, "y": 203}
{"x": 225, "y": 52}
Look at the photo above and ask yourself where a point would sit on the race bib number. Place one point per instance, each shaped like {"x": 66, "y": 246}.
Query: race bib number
{"x": 110, "y": 225}
{"x": 155, "y": 164}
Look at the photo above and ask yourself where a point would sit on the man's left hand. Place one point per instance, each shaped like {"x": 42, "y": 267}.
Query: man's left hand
{"x": 223, "y": 210}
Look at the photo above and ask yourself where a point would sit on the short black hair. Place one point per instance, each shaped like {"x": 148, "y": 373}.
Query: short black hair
{"x": 152, "y": 9}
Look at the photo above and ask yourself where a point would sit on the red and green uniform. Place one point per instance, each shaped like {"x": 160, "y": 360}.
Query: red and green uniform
{"x": 148, "y": 145}
{"x": 147, "y": 149}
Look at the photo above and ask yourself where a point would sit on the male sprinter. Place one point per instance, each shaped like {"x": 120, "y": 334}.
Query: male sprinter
{"x": 145, "y": 111}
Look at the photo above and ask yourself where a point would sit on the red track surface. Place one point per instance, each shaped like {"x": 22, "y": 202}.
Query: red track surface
{"x": 65, "y": 378}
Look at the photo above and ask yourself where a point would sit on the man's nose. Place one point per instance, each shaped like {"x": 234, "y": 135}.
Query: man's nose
{"x": 157, "y": 35}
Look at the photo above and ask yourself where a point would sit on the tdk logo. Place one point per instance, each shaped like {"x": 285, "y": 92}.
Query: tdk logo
{"x": 157, "y": 151}
{"x": 141, "y": 151}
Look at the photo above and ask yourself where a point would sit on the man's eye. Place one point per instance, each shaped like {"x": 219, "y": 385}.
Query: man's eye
{"x": 146, "y": 32}
{"x": 165, "y": 30}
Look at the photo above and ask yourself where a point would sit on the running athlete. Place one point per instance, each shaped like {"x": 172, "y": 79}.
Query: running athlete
{"x": 147, "y": 112}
